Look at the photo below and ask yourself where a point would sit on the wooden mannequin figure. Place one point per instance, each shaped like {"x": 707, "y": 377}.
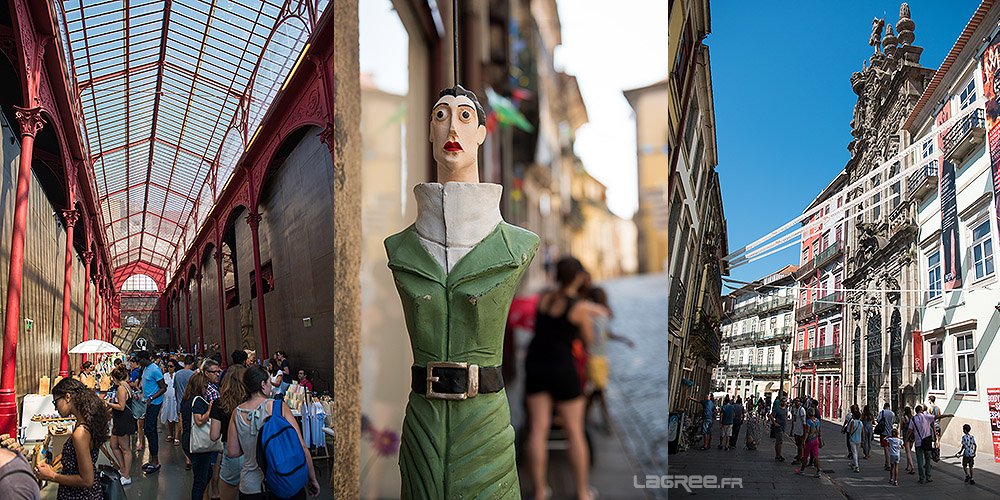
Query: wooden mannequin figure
{"x": 456, "y": 270}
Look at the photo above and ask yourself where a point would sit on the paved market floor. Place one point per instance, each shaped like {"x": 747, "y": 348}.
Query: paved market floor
{"x": 763, "y": 477}
{"x": 172, "y": 482}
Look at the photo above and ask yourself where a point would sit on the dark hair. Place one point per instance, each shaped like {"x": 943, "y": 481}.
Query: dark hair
{"x": 281, "y": 353}
{"x": 90, "y": 409}
{"x": 189, "y": 359}
{"x": 966, "y": 428}
{"x": 599, "y": 296}
{"x": 567, "y": 269}
{"x": 253, "y": 377}
{"x": 931, "y": 397}
{"x": 217, "y": 357}
{"x": 460, "y": 91}
{"x": 120, "y": 373}
{"x": 141, "y": 355}
{"x": 868, "y": 412}
{"x": 239, "y": 357}
{"x": 88, "y": 364}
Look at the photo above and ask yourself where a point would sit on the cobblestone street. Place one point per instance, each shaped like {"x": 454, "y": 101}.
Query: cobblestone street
{"x": 762, "y": 477}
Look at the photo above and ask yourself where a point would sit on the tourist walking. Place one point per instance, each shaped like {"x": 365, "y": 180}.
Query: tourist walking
{"x": 181, "y": 378}
{"x": 153, "y": 388}
{"x": 195, "y": 412}
{"x": 123, "y": 423}
{"x": 868, "y": 426}
{"x": 78, "y": 478}
{"x": 738, "y": 416}
{"x": 893, "y": 444}
{"x": 798, "y": 429}
{"x": 904, "y": 424}
{"x": 233, "y": 394}
{"x": 854, "y": 433}
{"x": 246, "y": 423}
{"x": 812, "y": 442}
{"x": 883, "y": 427}
{"x": 968, "y": 453}
{"x": 169, "y": 414}
{"x": 843, "y": 429}
{"x": 921, "y": 427}
{"x": 778, "y": 418}
{"x": 707, "y": 412}
{"x": 754, "y": 425}
{"x": 726, "y": 422}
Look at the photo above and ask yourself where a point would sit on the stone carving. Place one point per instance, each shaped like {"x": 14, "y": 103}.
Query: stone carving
{"x": 877, "y": 25}
{"x": 889, "y": 40}
{"x": 905, "y": 26}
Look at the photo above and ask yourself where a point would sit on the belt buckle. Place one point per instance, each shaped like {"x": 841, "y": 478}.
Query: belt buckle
{"x": 471, "y": 386}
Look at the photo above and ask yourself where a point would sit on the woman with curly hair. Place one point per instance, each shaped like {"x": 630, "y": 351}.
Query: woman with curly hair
{"x": 78, "y": 480}
{"x": 123, "y": 424}
{"x": 232, "y": 394}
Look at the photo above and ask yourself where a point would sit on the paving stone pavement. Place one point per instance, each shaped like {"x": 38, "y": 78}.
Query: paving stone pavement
{"x": 763, "y": 477}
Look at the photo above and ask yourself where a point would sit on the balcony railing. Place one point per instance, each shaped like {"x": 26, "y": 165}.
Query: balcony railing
{"x": 735, "y": 368}
{"x": 923, "y": 181}
{"x": 767, "y": 369}
{"x": 742, "y": 338}
{"x": 804, "y": 312}
{"x": 828, "y": 302}
{"x": 776, "y": 335}
{"x": 678, "y": 294}
{"x": 829, "y": 253}
{"x": 745, "y": 310}
{"x": 825, "y": 353}
{"x": 800, "y": 356}
{"x": 775, "y": 304}
{"x": 965, "y": 136}
{"x": 806, "y": 269}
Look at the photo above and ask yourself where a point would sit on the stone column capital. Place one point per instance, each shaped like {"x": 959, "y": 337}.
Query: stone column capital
{"x": 88, "y": 256}
{"x": 198, "y": 277}
{"x": 218, "y": 256}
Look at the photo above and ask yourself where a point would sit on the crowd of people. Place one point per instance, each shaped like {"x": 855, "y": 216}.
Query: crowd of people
{"x": 916, "y": 434}
{"x": 216, "y": 416}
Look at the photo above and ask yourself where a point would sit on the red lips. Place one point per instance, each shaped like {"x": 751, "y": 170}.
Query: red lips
{"x": 452, "y": 146}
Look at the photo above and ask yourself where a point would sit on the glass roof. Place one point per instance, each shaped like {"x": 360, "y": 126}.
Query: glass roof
{"x": 171, "y": 93}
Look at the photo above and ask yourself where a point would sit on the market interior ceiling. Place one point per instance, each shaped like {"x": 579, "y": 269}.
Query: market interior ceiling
{"x": 171, "y": 94}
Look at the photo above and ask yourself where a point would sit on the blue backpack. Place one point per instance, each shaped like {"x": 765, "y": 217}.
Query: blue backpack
{"x": 280, "y": 455}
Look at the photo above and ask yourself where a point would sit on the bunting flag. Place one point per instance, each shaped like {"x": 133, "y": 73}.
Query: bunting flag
{"x": 506, "y": 112}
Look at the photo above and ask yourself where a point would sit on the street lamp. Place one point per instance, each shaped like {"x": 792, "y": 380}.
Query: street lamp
{"x": 781, "y": 381}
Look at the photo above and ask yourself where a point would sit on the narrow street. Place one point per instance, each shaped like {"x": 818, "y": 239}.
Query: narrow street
{"x": 763, "y": 477}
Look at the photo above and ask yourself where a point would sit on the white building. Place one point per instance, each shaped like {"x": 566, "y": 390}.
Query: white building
{"x": 958, "y": 322}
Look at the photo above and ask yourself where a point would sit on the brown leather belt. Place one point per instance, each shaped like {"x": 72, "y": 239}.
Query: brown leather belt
{"x": 455, "y": 381}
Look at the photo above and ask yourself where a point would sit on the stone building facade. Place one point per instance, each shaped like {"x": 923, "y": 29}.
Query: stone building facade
{"x": 881, "y": 232}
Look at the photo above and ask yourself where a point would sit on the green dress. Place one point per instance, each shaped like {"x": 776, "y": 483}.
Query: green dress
{"x": 459, "y": 449}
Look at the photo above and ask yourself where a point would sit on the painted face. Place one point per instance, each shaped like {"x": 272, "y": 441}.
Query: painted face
{"x": 456, "y": 133}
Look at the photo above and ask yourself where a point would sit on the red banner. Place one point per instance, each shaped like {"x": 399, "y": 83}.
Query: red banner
{"x": 918, "y": 352}
{"x": 991, "y": 91}
{"x": 993, "y": 398}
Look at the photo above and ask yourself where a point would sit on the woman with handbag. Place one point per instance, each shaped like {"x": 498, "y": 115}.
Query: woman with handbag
{"x": 123, "y": 423}
{"x": 195, "y": 410}
{"x": 78, "y": 479}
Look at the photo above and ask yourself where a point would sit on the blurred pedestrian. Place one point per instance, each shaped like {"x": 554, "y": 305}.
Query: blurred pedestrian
{"x": 286, "y": 370}
{"x": 868, "y": 425}
{"x": 78, "y": 478}
{"x": 551, "y": 378}
{"x": 123, "y": 423}
{"x": 153, "y": 388}
{"x": 778, "y": 418}
{"x": 303, "y": 379}
{"x": 798, "y": 430}
{"x": 17, "y": 481}
{"x": 726, "y": 422}
{"x": 707, "y": 413}
{"x": 968, "y": 452}
{"x": 855, "y": 430}
{"x": 812, "y": 441}
{"x": 597, "y": 359}
{"x": 893, "y": 444}
{"x": 738, "y": 416}
{"x": 844, "y": 429}
{"x": 886, "y": 421}
{"x": 904, "y": 424}
{"x": 754, "y": 428}
{"x": 234, "y": 393}
{"x": 169, "y": 414}
{"x": 195, "y": 411}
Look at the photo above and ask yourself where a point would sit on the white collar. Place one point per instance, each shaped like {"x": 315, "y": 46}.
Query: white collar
{"x": 456, "y": 216}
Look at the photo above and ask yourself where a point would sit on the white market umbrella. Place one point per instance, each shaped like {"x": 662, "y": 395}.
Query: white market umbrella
{"x": 94, "y": 346}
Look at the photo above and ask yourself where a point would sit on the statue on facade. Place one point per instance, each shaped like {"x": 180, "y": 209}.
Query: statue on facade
{"x": 456, "y": 270}
{"x": 876, "y": 38}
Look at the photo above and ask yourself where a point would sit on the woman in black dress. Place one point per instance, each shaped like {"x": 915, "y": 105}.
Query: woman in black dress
{"x": 78, "y": 480}
{"x": 551, "y": 377}
{"x": 123, "y": 424}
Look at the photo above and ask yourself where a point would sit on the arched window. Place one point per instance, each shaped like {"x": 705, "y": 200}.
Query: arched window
{"x": 139, "y": 283}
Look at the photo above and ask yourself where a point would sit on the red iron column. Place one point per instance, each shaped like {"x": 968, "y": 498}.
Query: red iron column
{"x": 201, "y": 324}
{"x": 31, "y": 122}
{"x": 87, "y": 257}
{"x": 222, "y": 308}
{"x": 71, "y": 217}
{"x": 187, "y": 314}
{"x": 253, "y": 219}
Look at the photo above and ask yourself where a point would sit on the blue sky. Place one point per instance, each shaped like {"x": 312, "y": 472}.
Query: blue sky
{"x": 783, "y": 101}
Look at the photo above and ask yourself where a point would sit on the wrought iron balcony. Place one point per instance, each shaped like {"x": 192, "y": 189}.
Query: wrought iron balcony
{"x": 923, "y": 181}
{"x": 745, "y": 310}
{"x": 800, "y": 356}
{"x": 805, "y": 270}
{"x": 834, "y": 250}
{"x": 743, "y": 338}
{"x": 803, "y": 313}
{"x": 828, "y": 302}
{"x": 965, "y": 137}
{"x": 775, "y": 335}
{"x": 825, "y": 353}
{"x": 766, "y": 369}
{"x": 776, "y": 304}
{"x": 738, "y": 368}
{"x": 678, "y": 294}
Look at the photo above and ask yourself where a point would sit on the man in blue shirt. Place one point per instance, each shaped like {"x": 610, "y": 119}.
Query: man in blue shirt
{"x": 726, "y": 422}
{"x": 708, "y": 411}
{"x": 153, "y": 388}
